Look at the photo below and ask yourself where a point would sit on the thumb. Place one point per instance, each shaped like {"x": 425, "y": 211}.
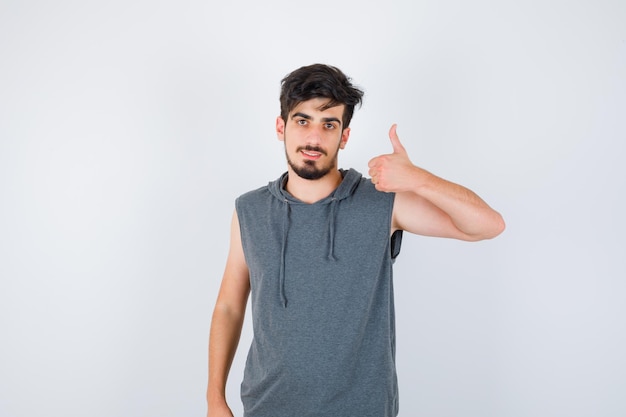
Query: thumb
{"x": 395, "y": 140}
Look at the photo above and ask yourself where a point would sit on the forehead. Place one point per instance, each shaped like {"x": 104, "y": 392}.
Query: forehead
{"x": 316, "y": 106}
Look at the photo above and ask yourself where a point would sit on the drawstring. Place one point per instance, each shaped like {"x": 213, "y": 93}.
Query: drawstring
{"x": 351, "y": 180}
{"x": 331, "y": 243}
{"x": 331, "y": 230}
{"x": 281, "y": 278}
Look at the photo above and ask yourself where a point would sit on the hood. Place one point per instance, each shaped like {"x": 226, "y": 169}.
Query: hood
{"x": 351, "y": 179}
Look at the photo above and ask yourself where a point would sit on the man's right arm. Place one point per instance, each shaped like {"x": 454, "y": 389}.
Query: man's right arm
{"x": 226, "y": 324}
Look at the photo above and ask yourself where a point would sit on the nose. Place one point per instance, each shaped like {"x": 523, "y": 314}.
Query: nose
{"x": 315, "y": 135}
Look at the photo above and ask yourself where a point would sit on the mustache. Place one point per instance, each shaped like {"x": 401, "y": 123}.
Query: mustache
{"x": 312, "y": 149}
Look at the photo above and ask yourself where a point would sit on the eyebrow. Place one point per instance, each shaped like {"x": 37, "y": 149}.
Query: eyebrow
{"x": 304, "y": 116}
{"x": 324, "y": 119}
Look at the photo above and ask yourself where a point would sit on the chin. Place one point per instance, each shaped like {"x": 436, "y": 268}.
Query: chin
{"x": 310, "y": 172}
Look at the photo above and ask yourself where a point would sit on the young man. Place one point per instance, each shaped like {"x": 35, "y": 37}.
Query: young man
{"x": 314, "y": 249}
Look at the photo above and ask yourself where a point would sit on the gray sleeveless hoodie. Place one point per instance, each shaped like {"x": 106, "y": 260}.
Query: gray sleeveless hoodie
{"x": 322, "y": 302}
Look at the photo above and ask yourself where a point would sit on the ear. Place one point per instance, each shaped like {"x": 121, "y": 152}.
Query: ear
{"x": 344, "y": 138}
{"x": 280, "y": 128}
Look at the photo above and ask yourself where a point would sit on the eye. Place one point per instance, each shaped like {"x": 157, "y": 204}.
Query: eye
{"x": 301, "y": 122}
{"x": 329, "y": 126}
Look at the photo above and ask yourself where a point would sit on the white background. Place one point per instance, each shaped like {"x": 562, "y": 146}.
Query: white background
{"x": 127, "y": 129}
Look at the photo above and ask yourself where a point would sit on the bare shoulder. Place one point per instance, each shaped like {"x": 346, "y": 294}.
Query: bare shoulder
{"x": 235, "y": 285}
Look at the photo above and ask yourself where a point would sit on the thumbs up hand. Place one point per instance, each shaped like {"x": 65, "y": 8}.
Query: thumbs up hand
{"x": 393, "y": 172}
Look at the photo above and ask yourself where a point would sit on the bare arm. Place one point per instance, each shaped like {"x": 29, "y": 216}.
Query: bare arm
{"x": 429, "y": 205}
{"x": 226, "y": 324}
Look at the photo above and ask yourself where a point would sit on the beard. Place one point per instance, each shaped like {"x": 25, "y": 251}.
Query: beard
{"x": 312, "y": 170}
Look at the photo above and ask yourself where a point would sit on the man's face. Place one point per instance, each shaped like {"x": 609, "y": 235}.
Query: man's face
{"x": 313, "y": 138}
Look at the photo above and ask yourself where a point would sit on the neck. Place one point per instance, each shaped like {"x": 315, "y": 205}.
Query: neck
{"x": 311, "y": 191}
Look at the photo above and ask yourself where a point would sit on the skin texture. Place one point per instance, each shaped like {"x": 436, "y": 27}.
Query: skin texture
{"x": 323, "y": 130}
{"x": 429, "y": 205}
{"x": 228, "y": 316}
{"x": 424, "y": 204}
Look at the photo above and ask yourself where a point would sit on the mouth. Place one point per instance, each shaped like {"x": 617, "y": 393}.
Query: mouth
{"x": 312, "y": 155}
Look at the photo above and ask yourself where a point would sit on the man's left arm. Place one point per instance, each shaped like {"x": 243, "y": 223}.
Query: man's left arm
{"x": 426, "y": 204}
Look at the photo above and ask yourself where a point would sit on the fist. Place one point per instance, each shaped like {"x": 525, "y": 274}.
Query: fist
{"x": 392, "y": 172}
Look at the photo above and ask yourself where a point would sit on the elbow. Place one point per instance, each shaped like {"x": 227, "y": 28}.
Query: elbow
{"x": 496, "y": 227}
{"x": 491, "y": 229}
{"x": 502, "y": 224}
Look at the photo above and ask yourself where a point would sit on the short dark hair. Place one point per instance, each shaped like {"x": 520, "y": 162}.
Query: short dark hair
{"x": 319, "y": 81}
